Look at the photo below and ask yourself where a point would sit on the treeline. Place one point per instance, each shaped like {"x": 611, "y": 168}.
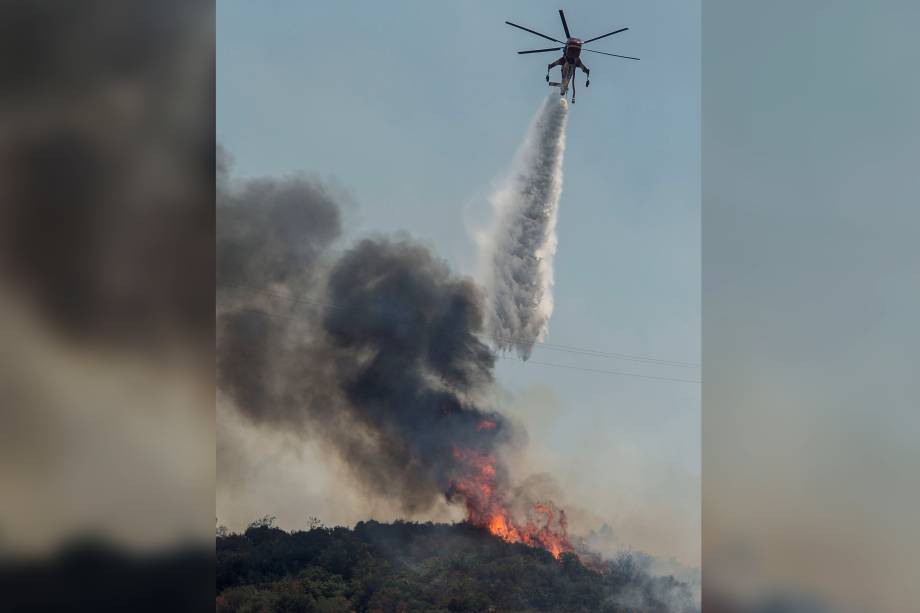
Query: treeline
{"x": 409, "y": 567}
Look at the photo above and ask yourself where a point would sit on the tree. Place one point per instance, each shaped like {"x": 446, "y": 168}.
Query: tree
{"x": 268, "y": 521}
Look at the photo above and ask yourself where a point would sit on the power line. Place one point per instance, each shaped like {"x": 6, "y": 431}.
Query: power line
{"x": 513, "y": 341}
{"x": 596, "y": 370}
{"x": 541, "y": 344}
{"x": 284, "y": 297}
{"x": 262, "y": 313}
{"x": 500, "y": 357}
{"x": 596, "y": 353}
{"x": 501, "y": 339}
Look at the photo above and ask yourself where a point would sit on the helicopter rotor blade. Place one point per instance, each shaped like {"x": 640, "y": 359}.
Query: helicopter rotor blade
{"x": 565, "y": 26}
{"x": 534, "y": 32}
{"x": 605, "y": 35}
{"x": 625, "y": 57}
{"x": 540, "y": 50}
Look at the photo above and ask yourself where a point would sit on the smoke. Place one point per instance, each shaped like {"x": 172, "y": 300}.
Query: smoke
{"x": 644, "y": 590}
{"x": 518, "y": 257}
{"x": 373, "y": 353}
{"x": 273, "y": 231}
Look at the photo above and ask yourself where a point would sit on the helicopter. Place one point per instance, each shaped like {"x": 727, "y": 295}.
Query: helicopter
{"x": 571, "y": 55}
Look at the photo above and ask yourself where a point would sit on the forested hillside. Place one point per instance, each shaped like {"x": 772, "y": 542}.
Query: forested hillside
{"x": 425, "y": 567}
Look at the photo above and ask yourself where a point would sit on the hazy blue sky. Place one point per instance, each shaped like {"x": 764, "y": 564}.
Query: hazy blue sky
{"x": 416, "y": 109}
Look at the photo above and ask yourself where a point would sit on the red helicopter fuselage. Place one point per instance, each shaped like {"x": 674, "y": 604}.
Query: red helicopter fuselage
{"x": 572, "y": 49}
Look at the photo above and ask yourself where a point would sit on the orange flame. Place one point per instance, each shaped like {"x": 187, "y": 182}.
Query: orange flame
{"x": 545, "y": 526}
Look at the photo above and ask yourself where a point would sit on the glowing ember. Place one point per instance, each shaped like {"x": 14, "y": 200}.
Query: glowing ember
{"x": 485, "y": 424}
{"x": 542, "y": 525}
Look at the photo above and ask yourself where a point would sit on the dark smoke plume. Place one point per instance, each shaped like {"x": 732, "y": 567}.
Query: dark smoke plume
{"x": 271, "y": 239}
{"x": 373, "y": 353}
{"x": 273, "y": 231}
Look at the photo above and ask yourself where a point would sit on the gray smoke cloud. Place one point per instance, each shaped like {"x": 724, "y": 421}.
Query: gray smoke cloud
{"x": 373, "y": 353}
{"x": 518, "y": 255}
{"x": 273, "y": 231}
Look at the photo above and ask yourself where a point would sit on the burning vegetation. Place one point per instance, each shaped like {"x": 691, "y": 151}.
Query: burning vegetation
{"x": 375, "y": 353}
{"x": 488, "y": 505}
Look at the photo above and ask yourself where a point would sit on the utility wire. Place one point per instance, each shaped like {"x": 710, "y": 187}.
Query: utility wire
{"x": 500, "y": 357}
{"x": 501, "y": 339}
{"x": 596, "y": 353}
{"x": 235, "y": 309}
{"x": 596, "y": 370}
{"x": 309, "y": 301}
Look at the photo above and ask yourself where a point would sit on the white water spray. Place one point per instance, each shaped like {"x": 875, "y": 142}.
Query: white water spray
{"x": 518, "y": 256}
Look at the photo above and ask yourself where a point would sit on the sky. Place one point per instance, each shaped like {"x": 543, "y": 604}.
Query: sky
{"x": 415, "y": 109}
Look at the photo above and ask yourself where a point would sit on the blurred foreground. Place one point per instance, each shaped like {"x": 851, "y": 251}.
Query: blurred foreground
{"x": 106, "y": 304}
{"x": 810, "y": 299}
